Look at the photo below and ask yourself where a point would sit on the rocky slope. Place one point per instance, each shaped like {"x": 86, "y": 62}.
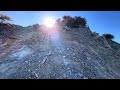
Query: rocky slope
{"x": 37, "y": 52}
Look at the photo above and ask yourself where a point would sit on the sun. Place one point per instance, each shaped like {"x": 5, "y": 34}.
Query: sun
{"x": 49, "y": 22}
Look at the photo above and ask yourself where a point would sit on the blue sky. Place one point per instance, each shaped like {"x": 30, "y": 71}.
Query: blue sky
{"x": 99, "y": 21}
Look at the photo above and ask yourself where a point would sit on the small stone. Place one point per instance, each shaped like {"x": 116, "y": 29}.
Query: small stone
{"x": 74, "y": 57}
{"x": 64, "y": 56}
{"x": 88, "y": 58}
{"x": 50, "y": 53}
{"x": 29, "y": 70}
{"x": 80, "y": 74}
{"x": 67, "y": 48}
{"x": 29, "y": 78}
{"x": 60, "y": 51}
{"x": 43, "y": 61}
{"x": 68, "y": 68}
{"x": 85, "y": 78}
{"x": 73, "y": 54}
{"x": 26, "y": 62}
{"x": 36, "y": 75}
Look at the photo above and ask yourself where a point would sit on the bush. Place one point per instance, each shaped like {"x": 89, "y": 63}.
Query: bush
{"x": 95, "y": 34}
{"x": 4, "y": 18}
{"x": 74, "y": 22}
{"x": 108, "y": 36}
{"x": 3, "y": 24}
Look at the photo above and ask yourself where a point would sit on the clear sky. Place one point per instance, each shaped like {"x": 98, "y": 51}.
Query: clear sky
{"x": 99, "y": 21}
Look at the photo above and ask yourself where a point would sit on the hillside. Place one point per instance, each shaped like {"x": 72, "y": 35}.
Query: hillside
{"x": 36, "y": 52}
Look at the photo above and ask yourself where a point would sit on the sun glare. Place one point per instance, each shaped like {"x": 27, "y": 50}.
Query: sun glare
{"x": 49, "y": 22}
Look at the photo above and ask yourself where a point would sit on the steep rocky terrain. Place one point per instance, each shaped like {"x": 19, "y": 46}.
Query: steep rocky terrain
{"x": 37, "y": 52}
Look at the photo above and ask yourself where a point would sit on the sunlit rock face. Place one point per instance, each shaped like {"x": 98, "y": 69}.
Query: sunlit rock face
{"x": 36, "y": 52}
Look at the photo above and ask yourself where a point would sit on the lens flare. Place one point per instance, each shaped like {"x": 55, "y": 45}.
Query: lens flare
{"x": 49, "y": 22}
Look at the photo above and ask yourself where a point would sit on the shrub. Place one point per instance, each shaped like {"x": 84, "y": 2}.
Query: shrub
{"x": 74, "y": 22}
{"x": 4, "y": 18}
{"x": 95, "y": 34}
{"x": 108, "y": 36}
